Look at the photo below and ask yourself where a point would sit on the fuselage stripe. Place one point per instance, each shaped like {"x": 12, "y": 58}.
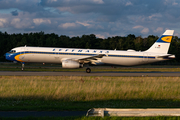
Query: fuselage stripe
{"x": 83, "y": 54}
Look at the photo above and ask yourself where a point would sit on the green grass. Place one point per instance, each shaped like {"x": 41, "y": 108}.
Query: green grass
{"x": 82, "y": 93}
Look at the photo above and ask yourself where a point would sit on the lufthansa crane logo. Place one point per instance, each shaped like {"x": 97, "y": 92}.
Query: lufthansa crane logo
{"x": 166, "y": 39}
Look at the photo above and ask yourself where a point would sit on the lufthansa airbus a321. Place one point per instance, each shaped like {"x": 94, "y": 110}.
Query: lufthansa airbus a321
{"x": 77, "y": 58}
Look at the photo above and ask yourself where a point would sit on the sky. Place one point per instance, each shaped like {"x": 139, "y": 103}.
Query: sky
{"x": 104, "y": 18}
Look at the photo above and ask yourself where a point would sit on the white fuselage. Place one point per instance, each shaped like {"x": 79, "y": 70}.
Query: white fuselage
{"x": 56, "y": 55}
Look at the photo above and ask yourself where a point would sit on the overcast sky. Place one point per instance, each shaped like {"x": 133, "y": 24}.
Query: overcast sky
{"x": 104, "y": 18}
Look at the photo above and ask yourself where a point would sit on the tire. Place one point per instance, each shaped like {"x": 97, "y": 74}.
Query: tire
{"x": 88, "y": 70}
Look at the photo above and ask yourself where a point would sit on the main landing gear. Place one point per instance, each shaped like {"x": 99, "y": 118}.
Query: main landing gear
{"x": 88, "y": 70}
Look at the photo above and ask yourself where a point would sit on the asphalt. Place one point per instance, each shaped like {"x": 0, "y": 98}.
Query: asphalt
{"x": 41, "y": 113}
{"x": 130, "y": 74}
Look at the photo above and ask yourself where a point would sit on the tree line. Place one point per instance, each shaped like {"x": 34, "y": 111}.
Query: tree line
{"x": 9, "y": 41}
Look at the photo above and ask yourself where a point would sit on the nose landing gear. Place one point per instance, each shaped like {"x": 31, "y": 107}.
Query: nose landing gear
{"x": 22, "y": 67}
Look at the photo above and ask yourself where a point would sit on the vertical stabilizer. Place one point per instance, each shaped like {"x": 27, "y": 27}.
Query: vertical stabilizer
{"x": 163, "y": 43}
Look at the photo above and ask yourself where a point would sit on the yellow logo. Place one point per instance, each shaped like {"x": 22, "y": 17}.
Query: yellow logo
{"x": 17, "y": 58}
{"x": 166, "y": 39}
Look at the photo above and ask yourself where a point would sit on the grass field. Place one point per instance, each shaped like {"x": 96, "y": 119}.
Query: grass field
{"x": 55, "y": 93}
{"x": 83, "y": 93}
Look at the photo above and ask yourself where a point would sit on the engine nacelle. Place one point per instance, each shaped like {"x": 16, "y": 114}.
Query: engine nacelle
{"x": 71, "y": 64}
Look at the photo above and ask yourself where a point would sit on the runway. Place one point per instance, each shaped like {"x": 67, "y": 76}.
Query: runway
{"x": 41, "y": 113}
{"x": 95, "y": 112}
{"x": 115, "y": 74}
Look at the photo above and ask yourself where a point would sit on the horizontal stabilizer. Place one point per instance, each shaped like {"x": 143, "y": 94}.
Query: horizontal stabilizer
{"x": 166, "y": 56}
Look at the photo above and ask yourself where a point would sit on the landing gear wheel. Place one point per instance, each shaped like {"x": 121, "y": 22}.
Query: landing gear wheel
{"x": 88, "y": 70}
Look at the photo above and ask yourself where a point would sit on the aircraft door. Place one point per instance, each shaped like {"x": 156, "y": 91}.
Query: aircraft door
{"x": 107, "y": 52}
{"x": 22, "y": 55}
{"x": 22, "y": 50}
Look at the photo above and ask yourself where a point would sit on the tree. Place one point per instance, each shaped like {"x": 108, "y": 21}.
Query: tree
{"x": 9, "y": 41}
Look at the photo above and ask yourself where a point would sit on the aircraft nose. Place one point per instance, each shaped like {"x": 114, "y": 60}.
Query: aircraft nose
{"x": 6, "y": 56}
{"x": 9, "y": 56}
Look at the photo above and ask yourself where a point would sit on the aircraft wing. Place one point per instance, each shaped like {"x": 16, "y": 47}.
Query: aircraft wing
{"x": 91, "y": 59}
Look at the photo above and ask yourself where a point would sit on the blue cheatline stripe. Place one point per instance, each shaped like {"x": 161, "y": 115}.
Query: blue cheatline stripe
{"x": 84, "y": 54}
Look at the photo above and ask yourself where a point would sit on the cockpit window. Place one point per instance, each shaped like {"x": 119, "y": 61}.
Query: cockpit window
{"x": 12, "y": 51}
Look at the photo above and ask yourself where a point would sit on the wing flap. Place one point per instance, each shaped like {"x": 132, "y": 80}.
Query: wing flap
{"x": 88, "y": 59}
{"x": 93, "y": 57}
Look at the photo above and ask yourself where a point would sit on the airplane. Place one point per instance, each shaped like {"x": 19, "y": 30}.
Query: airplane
{"x": 77, "y": 58}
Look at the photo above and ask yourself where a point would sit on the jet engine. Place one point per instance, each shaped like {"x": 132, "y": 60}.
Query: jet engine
{"x": 71, "y": 64}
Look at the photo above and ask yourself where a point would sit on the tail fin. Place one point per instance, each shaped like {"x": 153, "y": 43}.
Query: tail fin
{"x": 163, "y": 43}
